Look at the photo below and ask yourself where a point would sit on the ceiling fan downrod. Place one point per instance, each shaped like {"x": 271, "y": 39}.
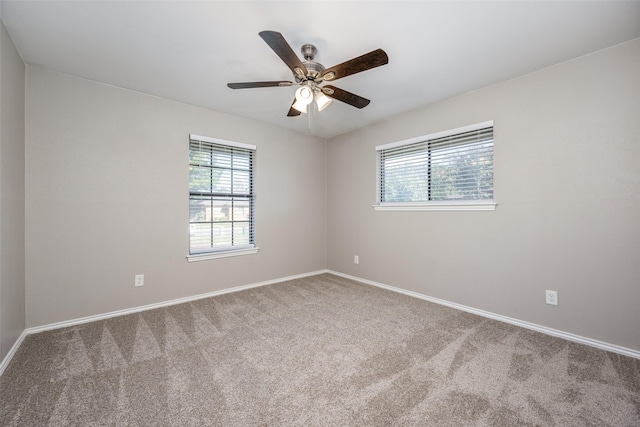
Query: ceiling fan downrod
{"x": 308, "y": 52}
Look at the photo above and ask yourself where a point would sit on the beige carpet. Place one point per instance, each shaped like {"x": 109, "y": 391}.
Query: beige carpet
{"x": 319, "y": 351}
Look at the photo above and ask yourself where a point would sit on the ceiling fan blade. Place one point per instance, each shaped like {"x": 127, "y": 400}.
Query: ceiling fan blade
{"x": 344, "y": 96}
{"x": 292, "y": 111}
{"x": 280, "y": 46}
{"x": 365, "y": 62}
{"x": 249, "y": 85}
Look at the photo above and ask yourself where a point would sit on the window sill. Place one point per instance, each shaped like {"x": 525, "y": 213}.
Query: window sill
{"x": 468, "y": 205}
{"x": 222, "y": 254}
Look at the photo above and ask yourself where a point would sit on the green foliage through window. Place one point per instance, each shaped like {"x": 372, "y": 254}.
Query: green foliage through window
{"x": 221, "y": 197}
{"x": 455, "y": 167}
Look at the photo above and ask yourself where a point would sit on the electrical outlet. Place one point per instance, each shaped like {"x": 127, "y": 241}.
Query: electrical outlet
{"x": 356, "y": 259}
{"x": 139, "y": 281}
{"x": 551, "y": 297}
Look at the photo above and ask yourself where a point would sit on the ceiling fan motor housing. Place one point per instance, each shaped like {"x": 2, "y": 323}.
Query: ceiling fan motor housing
{"x": 314, "y": 69}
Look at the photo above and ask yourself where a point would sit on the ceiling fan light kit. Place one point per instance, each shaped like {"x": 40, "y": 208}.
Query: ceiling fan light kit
{"x": 308, "y": 93}
{"x": 310, "y": 75}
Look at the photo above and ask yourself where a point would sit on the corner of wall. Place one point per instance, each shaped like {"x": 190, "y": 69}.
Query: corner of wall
{"x": 12, "y": 197}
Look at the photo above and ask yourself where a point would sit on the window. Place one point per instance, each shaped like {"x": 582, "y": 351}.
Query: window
{"x": 445, "y": 171}
{"x": 221, "y": 198}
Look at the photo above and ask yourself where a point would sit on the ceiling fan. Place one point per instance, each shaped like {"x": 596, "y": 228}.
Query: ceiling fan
{"x": 311, "y": 75}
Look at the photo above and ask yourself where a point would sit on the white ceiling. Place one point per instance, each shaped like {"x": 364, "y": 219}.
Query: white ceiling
{"x": 188, "y": 50}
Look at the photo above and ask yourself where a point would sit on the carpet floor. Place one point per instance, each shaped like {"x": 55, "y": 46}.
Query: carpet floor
{"x": 317, "y": 351}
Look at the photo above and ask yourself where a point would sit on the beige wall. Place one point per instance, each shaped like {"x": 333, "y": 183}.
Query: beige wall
{"x": 106, "y": 185}
{"x": 567, "y": 185}
{"x": 107, "y": 198}
{"x": 12, "y": 263}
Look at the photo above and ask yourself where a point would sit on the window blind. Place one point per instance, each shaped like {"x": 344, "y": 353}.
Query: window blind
{"x": 444, "y": 168}
{"x": 221, "y": 195}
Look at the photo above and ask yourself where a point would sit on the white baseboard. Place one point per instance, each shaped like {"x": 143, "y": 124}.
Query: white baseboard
{"x": 543, "y": 329}
{"x": 527, "y": 325}
{"x": 5, "y": 362}
{"x": 102, "y": 316}
{"x": 7, "y": 359}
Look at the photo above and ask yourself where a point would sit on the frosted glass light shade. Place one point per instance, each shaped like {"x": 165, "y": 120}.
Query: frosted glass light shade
{"x": 322, "y": 101}
{"x": 304, "y": 97}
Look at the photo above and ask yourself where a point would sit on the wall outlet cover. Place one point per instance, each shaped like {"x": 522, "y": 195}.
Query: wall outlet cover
{"x": 139, "y": 280}
{"x": 551, "y": 297}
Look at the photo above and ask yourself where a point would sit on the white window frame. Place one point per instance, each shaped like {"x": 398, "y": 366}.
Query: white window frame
{"x": 237, "y": 250}
{"x": 439, "y": 205}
